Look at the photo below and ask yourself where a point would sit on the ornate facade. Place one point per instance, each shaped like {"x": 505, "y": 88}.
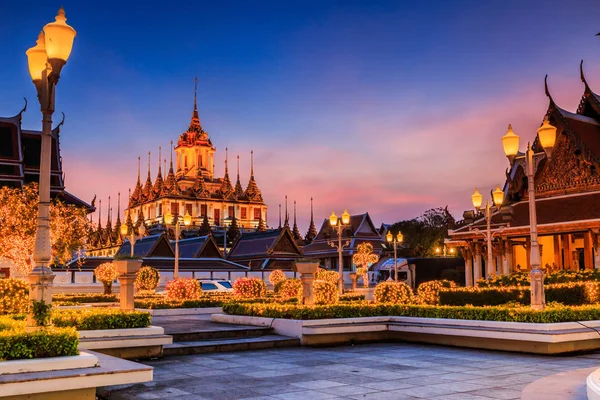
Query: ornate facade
{"x": 567, "y": 190}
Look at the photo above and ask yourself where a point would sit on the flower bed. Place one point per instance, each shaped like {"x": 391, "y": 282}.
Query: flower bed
{"x": 498, "y": 313}
{"x": 16, "y": 343}
{"x": 95, "y": 319}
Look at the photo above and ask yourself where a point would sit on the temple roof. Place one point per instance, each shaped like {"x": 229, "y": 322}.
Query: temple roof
{"x": 148, "y": 246}
{"x": 200, "y": 246}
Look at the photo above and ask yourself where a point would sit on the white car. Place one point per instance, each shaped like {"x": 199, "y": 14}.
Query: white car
{"x": 215, "y": 285}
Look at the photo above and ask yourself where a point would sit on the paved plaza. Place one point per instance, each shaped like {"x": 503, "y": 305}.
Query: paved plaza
{"x": 370, "y": 371}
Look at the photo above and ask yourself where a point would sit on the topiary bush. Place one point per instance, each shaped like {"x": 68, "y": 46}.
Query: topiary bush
{"x": 328, "y": 276}
{"x": 428, "y": 292}
{"x": 183, "y": 289}
{"x": 147, "y": 279}
{"x": 106, "y": 273}
{"x": 276, "y": 276}
{"x": 288, "y": 288}
{"x": 323, "y": 292}
{"x": 14, "y": 296}
{"x": 249, "y": 287}
{"x": 393, "y": 292}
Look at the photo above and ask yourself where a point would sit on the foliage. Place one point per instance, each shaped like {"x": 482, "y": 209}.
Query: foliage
{"x": 147, "y": 279}
{"x": 522, "y": 278}
{"x": 428, "y": 292}
{"x": 328, "y": 276}
{"x": 276, "y": 276}
{"x": 100, "y": 318}
{"x": 69, "y": 227}
{"x": 357, "y": 310}
{"x": 14, "y": 296}
{"x": 183, "y": 289}
{"x": 566, "y": 293}
{"x": 42, "y": 312}
{"x": 424, "y": 233}
{"x": 393, "y": 292}
{"x": 288, "y": 288}
{"x": 364, "y": 256}
{"x": 162, "y": 304}
{"x": 85, "y": 298}
{"x": 324, "y": 292}
{"x": 106, "y": 273}
{"x": 249, "y": 287}
{"x": 351, "y": 296}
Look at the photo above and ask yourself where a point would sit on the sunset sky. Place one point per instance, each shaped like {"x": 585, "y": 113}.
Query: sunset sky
{"x": 387, "y": 107}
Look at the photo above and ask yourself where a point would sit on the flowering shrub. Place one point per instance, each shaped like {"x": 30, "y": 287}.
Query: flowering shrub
{"x": 249, "y": 287}
{"x": 14, "y": 296}
{"x": 106, "y": 273}
{"x": 147, "y": 279}
{"x": 323, "y": 292}
{"x": 288, "y": 288}
{"x": 183, "y": 289}
{"x": 276, "y": 276}
{"x": 328, "y": 276}
{"x": 351, "y": 296}
{"x": 428, "y": 292}
{"x": 393, "y": 292}
{"x": 100, "y": 318}
{"x": 522, "y": 278}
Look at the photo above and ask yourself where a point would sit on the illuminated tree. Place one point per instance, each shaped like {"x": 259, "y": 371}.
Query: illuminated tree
{"x": 69, "y": 227}
{"x": 364, "y": 258}
{"x": 106, "y": 273}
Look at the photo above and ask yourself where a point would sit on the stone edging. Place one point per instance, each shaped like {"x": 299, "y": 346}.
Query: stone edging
{"x": 83, "y": 360}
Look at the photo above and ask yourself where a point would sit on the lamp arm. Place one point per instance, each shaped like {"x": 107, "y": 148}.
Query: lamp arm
{"x": 536, "y": 157}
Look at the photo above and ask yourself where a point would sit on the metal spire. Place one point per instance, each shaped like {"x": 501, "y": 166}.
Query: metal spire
{"x": 252, "y": 163}
{"x": 159, "y": 158}
{"x": 226, "y": 155}
{"x": 279, "y": 216}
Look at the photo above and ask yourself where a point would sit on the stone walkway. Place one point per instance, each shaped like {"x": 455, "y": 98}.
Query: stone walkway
{"x": 363, "y": 372}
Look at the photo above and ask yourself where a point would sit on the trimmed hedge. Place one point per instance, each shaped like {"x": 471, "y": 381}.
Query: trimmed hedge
{"x": 507, "y": 314}
{"x": 157, "y": 304}
{"x": 95, "y": 319}
{"x": 566, "y": 293}
{"x": 351, "y": 296}
{"x": 522, "y": 278}
{"x": 85, "y": 298}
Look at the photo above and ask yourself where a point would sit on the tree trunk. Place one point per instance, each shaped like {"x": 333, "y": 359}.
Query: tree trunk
{"x": 107, "y": 287}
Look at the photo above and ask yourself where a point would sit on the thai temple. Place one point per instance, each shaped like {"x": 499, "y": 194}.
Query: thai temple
{"x": 567, "y": 192}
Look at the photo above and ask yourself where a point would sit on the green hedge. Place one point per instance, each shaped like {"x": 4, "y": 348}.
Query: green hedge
{"x": 351, "y": 296}
{"x": 85, "y": 298}
{"x": 498, "y": 313}
{"x": 522, "y": 278}
{"x": 566, "y": 293}
{"x": 156, "y": 304}
{"x": 102, "y": 318}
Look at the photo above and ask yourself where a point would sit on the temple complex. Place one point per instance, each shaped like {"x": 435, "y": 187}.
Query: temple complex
{"x": 567, "y": 193}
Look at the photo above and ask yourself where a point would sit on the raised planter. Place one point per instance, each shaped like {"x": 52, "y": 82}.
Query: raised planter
{"x": 135, "y": 343}
{"x": 509, "y": 336}
{"x": 593, "y": 385}
{"x": 163, "y": 312}
{"x": 83, "y": 360}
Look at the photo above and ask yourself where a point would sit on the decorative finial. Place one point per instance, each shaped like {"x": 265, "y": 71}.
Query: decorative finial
{"x": 139, "y": 168}
{"x": 159, "y": 157}
{"x": 279, "y": 216}
{"x": 108, "y": 219}
{"x": 99, "y": 212}
{"x": 171, "y": 162}
{"x": 238, "y": 167}
{"x": 118, "y": 204}
{"x": 226, "y": 156}
{"x": 252, "y": 163}
{"x": 581, "y": 73}
{"x": 294, "y": 212}
{"x": 311, "y": 208}
{"x": 149, "y": 165}
{"x": 195, "y": 90}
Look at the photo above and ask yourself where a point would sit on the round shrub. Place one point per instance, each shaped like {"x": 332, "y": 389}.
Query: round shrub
{"x": 183, "y": 289}
{"x": 106, "y": 273}
{"x": 323, "y": 293}
{"x": 276, "y": 276}
{"x": 14, "y": 296}
{"x": 249, "y": 287}
{"x": 393, "y": 292}
{"x": 288, "y": 288}
{"x": 429, "y": 292}
{"x": 328, "y": 276}
{"x": 147, "y": 279}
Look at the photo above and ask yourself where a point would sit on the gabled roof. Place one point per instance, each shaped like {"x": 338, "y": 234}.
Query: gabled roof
{"x": 166, "y": 264}
{"x": 254, "y": 245}
{"x": 197, "y": 247}
{"x": 148, "y": 246}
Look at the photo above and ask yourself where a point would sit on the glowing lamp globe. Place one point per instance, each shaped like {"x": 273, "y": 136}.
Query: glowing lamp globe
{"x": 59, "y": 37}
{"x": 333, "y": 219}
{"x": 498, "y": 196}
{"x": 168, "y": 217}
{"x": 187, "y": 219}
{"x": 346, "y": 217}
{"x": 400, "y": 237}
{"x": 37, "y": 58}
{"x": 510, "y": 142}
{"x": 389, "y": 237}
{"x": 124, "y": 229}
{"x": 437, "y": 250}
{"x": 477, "y": 199}
{"x": 547, "y": 135}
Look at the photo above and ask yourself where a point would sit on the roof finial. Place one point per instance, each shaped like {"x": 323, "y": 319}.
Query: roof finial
{"x": 195, "y": 91}
{"x": 165, "y": 164}
{"x": 238, "y": 167}
{"x": 100, "y": 213}
{"x": 311, "y": 208}
{"x": 118, "y": 205}
{"x": 226, "y": 156}
{"x": 108, "y": 218}
{"x": 279, "y": 216}
{"x": 581, "y": 73}
{"x": 139, "y": 168}
{"x": 159, "y": 157}
{"x": 149, "y": 165}
{"x": 171, "y": 162}
{"x": 294, "y": 212}
{"x": 252, "y": 163}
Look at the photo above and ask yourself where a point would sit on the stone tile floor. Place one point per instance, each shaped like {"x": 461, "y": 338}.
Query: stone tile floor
{"x": 362, "y": 372}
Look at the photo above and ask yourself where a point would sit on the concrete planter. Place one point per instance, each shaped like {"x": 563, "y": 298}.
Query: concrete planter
{"x": 128, "y": 266}
{"x": 127, "y": 270}
{"x": 126, "y": 343}
{"x": 83, "y": 360}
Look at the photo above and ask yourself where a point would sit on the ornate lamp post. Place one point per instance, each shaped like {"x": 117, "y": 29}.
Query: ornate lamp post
{"x": 338, "y": 225}
{"x": 397, "y": 239}
{"x": 128, "y": 229}
{"x": 45, "y": 61}
{"x": 530, "y": 162}
{"x": 187, "y": 220}
{"x": 498, "y": 199}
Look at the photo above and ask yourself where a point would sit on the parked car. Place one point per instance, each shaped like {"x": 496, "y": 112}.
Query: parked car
{"x": 216, "y": 285}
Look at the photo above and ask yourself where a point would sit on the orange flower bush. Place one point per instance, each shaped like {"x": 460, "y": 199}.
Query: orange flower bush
{"x": 147, "y": 279}
{"x": 393, "y": 292}
{"x": 106, "y": 273}
{"x": 276, "y": 276}
{"x": 323, "y": 292}
{"x": 288, "y": 288}
{"x": 14, "y": 296}
{"x": 249, "y": 287}
{"x": 429, "y": 292}
{"x": 183, "y": 289}
{"x": 328, "y": 276}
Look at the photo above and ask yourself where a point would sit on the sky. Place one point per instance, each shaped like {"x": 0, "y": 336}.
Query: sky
{"x": 386, "y": 107}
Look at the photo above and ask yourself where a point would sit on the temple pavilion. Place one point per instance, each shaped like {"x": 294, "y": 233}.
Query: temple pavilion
{"x": 567, "y": 194}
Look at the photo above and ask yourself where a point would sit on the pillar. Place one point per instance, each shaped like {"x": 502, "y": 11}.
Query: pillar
{"x": 307, "y": 271}
{"x": 566, "y": 241}
{"x": 499, "y": 263}
{"x": 507, "y": 264}
{"x": 587, "y": 250}
{"x": 557, "y": 252}
{"x": 477, "y": 264}
{"x": 596, "y": 249}
{"x": 527, "y": 246}
{"x": 40, "y": 289}
{"x": 127, "y": 270}
{"x": 468, "y": 256}
{"x": 354, "y": 278}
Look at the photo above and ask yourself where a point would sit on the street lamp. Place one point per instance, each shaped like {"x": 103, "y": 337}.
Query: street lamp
{"x": 395, "y": 239}
{"x": 497, "y": 199}
{"x": 187, "y": 220}
{"x": 338, "y": 225}
{"x": 45, "y": 61}
{"x": 128, "y": 229}
{"x": 530, "y": 162}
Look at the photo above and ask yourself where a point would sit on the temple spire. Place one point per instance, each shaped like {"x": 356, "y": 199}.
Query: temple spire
{"x": 312, "y": 230}
{"x": 226, "y": 189}
{"x": 195, "y": 127}
{"x": 295, "y": 230}
{"x": 147, "y": 191}
{"x": 158, "y": 183}
{"x": 279, "y": 216}
{"x": 170, "y": 185}
{"x": 239, "y": 192}
{"x": 137, "y": 193}
{"x": 286, "y": 222}
{"x": 252, "y": 191}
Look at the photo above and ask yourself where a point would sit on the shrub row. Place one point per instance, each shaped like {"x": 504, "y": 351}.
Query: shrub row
{"x": 565, "y": 293}
{"x": 94, "y": 319}
{"x": 522, "y": 278}
{"x": 498, "y": 313}
{"x": 158, "y": 304}
{"x": 351, "y": 296}
{"x": 85, "y": 297}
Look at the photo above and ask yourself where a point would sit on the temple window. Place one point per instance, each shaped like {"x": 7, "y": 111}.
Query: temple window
{"x": 203, "y": 210}
{"x": 217, "y": 218}
{"x": 257, "y": 213}
{"x": 188, "y": 209}
{"x": 159, "y": 210}
{"x": 244, "y": 213}
{"x": 175, "y": 208}
{"x": 231, "y": 211}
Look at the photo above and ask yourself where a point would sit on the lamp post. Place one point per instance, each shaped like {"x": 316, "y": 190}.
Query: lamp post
{"x": 530, "y": 162}
{"x": 187, "y": 220}
{"x": 128, "y": 229}
{"x": 45, "y": 61}
{"x": 395, "y": 239}
{"x": 339, "y": 226}
{"x": 498, "y": 199}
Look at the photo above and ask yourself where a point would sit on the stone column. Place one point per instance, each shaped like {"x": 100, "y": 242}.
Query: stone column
{"x": 596, "y": 249}
{"x": 40, "y": 289}
{"x": 307, "y": 271}
{"x": 587, "y": 250}
{"x": 354, "y": 278}
{"x": 507, "y": 258}
{"x": 127, "y": 270}
{"x": 468, "y": 256}
{"x": 477, "y": 264}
